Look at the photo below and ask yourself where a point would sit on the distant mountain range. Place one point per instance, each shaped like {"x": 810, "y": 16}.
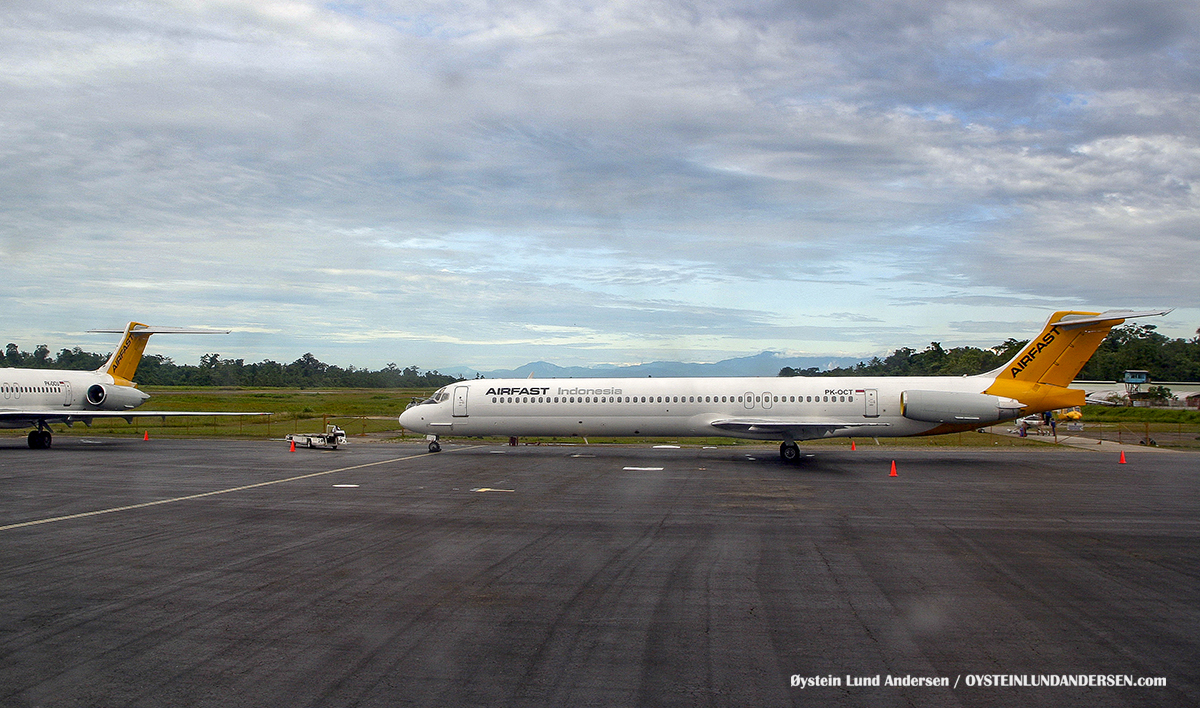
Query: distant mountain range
{"x": 764, "y": 364}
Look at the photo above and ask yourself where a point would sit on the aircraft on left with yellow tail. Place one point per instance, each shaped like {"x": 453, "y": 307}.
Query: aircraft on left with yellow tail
{"x": 38, "y": 397}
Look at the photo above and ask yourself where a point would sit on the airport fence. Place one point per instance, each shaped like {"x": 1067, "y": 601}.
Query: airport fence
{"x": 1183, "y": 435}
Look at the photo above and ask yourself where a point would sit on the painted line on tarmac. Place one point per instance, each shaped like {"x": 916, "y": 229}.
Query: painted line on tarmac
{"x": 143, "y": 505}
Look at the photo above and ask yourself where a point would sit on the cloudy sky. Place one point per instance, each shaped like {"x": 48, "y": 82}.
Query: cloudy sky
{"x": 487, "y": 184}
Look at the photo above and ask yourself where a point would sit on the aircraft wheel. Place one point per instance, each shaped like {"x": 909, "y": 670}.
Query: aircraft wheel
{"x": 789, "y": 451}
{"x": 40, "y": 439}
{"x": 435, "y": 446}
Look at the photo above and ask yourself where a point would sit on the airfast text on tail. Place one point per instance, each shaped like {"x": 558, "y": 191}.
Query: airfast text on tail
{"x": 123, "y": 363}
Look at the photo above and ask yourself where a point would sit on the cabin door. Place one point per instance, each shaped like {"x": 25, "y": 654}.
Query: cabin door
{"x": 460, "y": 401}
{"x": 872, "y": 403}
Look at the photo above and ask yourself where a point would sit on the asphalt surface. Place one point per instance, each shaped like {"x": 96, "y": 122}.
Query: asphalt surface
{"x": 213, "y": 573}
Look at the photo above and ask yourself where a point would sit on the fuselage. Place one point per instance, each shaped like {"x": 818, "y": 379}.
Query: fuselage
{"x": 41, "y": 390}
{"x": 765, "y": 408}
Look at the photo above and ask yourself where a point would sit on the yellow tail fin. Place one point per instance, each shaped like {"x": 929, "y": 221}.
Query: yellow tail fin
{"x": 1055, "y": 357}
{"x": 123, "y": 363}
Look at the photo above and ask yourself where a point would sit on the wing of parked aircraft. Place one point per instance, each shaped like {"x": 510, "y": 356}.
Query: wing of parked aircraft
{"x": 794, "y": 428}
{"x": 31, "y": 417}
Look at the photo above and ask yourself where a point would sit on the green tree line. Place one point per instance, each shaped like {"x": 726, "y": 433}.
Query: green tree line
{"x": 1132, "y": 346}
{"x": 305, "y": 372}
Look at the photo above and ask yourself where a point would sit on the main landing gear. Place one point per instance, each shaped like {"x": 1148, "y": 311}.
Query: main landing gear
{"x": 789, "y": 451}
{"x": 40, "y": 439}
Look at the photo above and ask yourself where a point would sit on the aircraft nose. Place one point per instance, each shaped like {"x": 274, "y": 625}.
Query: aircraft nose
{"x": 410, "y": 420}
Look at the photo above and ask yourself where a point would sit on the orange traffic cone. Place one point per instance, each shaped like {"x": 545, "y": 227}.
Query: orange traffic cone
{"x": 852, "y": 448}
{"x": 1122, "y": 457}
{"x": 293, "y": 446}
{"x": 146, "y": 436}
{"x": 893, "y": 474}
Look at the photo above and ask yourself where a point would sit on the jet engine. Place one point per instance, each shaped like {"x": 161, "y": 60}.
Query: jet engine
{"x": 111, "y": 397}
{"x": 957, "y": 407}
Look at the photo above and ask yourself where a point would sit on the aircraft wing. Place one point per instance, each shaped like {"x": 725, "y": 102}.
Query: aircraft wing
{"x": 69, "y": 417}
{"x": 796, "y": 428}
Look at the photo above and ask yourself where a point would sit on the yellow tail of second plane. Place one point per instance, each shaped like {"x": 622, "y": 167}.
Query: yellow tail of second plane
{"x": 1041, "y": 371}
{"x": 123, "y": 363}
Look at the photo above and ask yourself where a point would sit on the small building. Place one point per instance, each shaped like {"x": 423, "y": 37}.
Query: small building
{"x": 1136, "y": 377}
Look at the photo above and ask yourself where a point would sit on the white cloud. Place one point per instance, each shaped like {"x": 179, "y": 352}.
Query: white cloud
{"x": 548, "y": 180}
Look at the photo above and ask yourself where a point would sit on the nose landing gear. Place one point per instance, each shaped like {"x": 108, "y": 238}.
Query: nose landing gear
{"x": 434, "y": 445}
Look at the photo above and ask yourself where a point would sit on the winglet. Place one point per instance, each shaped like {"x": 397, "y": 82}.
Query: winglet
{"x": 123, "y": 363}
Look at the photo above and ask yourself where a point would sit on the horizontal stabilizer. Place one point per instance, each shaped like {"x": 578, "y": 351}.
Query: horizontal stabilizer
{"x": 1073, "y": 321}
{"x": 161, "y": 330}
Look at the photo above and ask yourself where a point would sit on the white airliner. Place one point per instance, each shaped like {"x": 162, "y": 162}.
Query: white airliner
{"x": 789, "y": 409}
{"x": 38, "y": 397}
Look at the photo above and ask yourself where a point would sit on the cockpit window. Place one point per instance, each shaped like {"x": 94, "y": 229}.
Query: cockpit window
{"x": 438, "y": 396}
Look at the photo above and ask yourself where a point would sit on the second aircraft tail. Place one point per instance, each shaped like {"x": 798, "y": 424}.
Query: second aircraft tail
{"x": 123, "y": 363}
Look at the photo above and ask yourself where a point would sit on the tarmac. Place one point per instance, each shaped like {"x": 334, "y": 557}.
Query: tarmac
{"x": 218, "y": 573}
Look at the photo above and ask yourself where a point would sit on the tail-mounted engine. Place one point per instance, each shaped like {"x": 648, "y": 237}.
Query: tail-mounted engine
{"x": 110, "y": 397}
{"x": 957, "y": 407}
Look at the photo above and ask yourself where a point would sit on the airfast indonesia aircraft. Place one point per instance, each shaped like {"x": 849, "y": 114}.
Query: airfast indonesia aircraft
{"x": 787, "y": 409}
{"x": 38, "y": 397}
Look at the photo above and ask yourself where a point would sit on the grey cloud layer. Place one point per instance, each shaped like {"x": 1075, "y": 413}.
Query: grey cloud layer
{"x": 634, "y": 173}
